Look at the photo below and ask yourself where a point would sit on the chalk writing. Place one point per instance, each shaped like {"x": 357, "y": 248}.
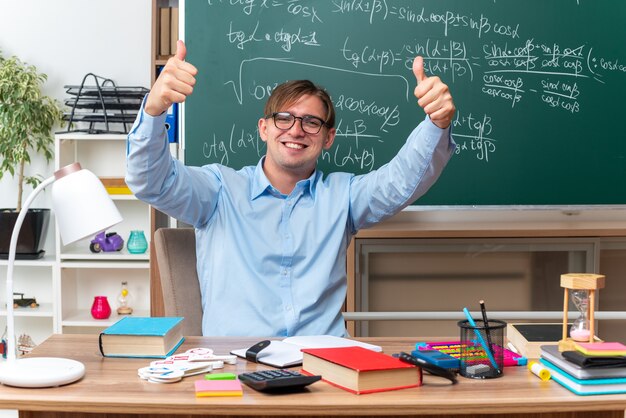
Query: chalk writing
{"x": 517, "y": 76}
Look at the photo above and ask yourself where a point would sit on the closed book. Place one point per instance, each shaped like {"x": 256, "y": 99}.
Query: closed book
{"x": 131, "y": 336}
{"x": 586, "y": 386}
{"x": 164, "y": 33}
{"x": 553, "y": 355}
{"x": 529, "y": 337}
{"x": 173, "y": 30}
{"x": 359, "y": 370}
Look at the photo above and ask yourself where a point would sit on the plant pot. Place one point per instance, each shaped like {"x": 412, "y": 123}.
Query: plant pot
{"x": 32, "y": 236}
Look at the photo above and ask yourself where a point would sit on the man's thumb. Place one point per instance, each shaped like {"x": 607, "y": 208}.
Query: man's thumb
{"x": 181, "y": 50}
{"x": 418, "y": 69}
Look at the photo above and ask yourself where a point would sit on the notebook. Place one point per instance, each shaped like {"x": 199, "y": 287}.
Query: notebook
{"x": 586, "y": 386}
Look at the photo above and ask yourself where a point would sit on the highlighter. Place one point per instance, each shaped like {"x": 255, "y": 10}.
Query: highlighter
{"x": 539, "y": 370}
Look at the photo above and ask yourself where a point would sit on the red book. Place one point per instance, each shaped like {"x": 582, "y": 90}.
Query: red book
{"x": 359, "y": 370}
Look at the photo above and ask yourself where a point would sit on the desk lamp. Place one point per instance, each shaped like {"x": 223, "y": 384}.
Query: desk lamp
{"x": 82, "y": 208}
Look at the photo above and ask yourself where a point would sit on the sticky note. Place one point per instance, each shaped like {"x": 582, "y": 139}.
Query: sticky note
{"x": 218, "y": 388}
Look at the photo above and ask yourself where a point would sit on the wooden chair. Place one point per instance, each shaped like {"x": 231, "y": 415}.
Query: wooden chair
{"x": 175, "y": 250}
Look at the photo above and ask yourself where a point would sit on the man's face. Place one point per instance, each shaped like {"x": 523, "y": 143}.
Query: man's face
{"x": 294, "y": 152}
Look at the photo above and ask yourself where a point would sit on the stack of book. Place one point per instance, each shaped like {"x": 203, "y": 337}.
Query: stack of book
{"x": 585, "y": 374}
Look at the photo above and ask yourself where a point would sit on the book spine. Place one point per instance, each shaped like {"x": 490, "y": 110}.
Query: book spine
{"x": 100, "y": 345}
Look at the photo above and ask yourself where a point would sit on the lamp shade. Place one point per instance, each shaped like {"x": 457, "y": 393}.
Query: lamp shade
{"x": 81, "y": 204}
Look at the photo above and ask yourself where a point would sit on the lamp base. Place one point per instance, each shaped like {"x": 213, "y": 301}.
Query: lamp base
{"x": 40, "y": 372}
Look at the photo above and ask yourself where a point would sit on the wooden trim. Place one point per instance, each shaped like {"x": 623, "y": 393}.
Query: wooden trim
{"x": 494, "y": 230}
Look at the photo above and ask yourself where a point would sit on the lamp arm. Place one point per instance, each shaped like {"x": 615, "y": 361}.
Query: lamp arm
{"x": 11, "y": 263}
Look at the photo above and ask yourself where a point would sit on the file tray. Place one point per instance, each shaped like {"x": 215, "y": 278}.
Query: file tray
{"x": 102, "y": 104}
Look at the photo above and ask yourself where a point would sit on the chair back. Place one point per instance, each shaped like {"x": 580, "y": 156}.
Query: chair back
{"x": 176, "y": 257}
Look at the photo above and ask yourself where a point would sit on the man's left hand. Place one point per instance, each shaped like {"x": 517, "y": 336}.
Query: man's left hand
{"x": 433, "y": 96}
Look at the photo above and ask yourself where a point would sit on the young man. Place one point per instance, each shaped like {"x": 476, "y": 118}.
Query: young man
{"x": 271, "y": 239}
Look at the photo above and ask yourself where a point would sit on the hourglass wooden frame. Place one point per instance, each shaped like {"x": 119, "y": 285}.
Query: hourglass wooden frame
{"x": 579, "y": 281}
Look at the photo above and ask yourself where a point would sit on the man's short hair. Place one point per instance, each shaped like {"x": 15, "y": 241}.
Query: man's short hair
{"x": 290, "y": 92}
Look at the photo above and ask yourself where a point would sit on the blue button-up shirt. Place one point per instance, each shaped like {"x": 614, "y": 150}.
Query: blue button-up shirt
{"x": 271, "y": 264}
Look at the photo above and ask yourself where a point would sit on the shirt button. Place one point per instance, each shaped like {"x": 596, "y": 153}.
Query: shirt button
{"x": 288, "y": 308}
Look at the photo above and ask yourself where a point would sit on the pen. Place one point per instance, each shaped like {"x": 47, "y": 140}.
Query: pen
{"x": 480, "y": 339}
{"x": 486, "y": 323}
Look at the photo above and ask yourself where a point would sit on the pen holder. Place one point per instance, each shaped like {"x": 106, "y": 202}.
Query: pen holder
{"x": 475, "y": 361}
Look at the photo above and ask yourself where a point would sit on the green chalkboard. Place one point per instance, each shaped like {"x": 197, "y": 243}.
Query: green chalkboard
{"x": 539, "y": 87}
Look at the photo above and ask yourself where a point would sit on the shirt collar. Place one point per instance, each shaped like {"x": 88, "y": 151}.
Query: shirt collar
{"x": 260, "y": 182}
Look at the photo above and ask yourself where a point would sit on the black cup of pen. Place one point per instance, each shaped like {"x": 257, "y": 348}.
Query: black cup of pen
{"x": 481, "y": 351}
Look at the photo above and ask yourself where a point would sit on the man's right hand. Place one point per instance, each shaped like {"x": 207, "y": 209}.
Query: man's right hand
{"x": 174, "y": 84}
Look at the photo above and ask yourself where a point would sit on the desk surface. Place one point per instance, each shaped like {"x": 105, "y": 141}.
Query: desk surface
{"x": 112, "y": 386}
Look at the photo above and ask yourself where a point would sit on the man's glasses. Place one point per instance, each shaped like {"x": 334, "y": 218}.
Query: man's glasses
{"x": 285, "y": 120}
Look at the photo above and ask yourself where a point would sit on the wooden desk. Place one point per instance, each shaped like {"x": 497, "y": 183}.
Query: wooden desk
{"x": 111, "y": 388}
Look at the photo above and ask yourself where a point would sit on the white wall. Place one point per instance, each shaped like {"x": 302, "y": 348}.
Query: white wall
{"x": 66, "y": 39}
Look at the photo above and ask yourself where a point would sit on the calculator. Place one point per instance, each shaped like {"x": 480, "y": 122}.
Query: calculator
{"x": 277, "y": 380}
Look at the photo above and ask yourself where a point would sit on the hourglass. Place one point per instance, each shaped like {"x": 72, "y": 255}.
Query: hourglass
{"x": 582, "y": 287}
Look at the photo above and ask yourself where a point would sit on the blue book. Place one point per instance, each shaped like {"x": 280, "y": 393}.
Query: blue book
{"x": 153, "y": 337}
{"x": 586, "y": 386}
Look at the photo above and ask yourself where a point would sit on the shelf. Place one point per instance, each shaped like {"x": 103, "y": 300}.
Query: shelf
{"x": 44, "y": 310}
{"x": 83, "y": 318}
{"x": 77, "y": 253}
{"x": 81, "y": 136}
{"x": 47, "y": 260}
{"x": 123, "y": 197}
{"x": 104, "y": 264}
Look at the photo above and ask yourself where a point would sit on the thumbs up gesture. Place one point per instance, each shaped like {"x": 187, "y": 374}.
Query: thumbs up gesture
{"x": 174, "y": 84}
{"x": 433, "y": 96}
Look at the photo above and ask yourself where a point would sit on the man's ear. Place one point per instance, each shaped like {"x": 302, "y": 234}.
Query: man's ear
{"x": 330, "y": 138}
{"x": 263, "y": 129}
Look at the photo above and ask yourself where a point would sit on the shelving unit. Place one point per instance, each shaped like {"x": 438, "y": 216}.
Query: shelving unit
{"x": 38, "y": 279}
{"x": 83, "y": 274}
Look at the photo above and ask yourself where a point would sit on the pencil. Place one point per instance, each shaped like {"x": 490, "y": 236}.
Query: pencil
{"x": 486, "y": 323}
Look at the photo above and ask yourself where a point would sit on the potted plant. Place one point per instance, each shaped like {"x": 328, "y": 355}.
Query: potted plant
{"x": 26, "y": 121}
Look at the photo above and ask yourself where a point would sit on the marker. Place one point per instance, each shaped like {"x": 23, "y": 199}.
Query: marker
{"x": 481, "y": 339}
{"x": 539, "y": 370}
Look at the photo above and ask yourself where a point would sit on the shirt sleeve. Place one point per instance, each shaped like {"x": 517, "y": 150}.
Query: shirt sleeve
{"x": 382, "y": 193}
{"x": 189, "y": 194}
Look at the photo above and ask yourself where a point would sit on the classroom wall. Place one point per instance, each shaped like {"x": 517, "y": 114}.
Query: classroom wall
{"x": 66, "y": 39}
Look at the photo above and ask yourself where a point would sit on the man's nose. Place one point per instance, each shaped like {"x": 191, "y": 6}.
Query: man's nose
{"x": 296, "y": 128}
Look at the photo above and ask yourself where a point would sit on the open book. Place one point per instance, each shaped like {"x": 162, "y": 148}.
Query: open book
{"x": 286, "y": 353}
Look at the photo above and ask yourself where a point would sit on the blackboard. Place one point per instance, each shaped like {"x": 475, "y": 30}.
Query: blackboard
{"x": 539, "y": 87}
